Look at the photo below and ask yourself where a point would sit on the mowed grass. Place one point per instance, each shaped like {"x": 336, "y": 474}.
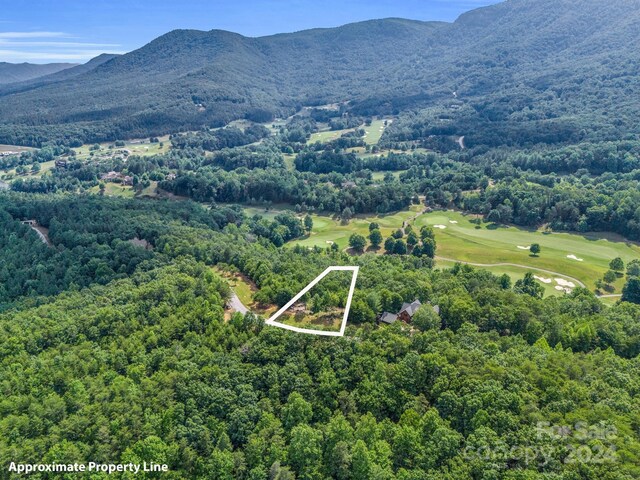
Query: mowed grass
{"x": 44, "y": 168}
{"x": 491, "y": 244}
{"x": 379, "y": 176}
{"x": 374, "y": 132}
{"x": 115, "y": 190}
{"x": 142, "y": 148}
{"x": 487, "y": 245}
{"x": 327, "y": 230}
{"x": 516, "y": 273}
{"x": 327, "y": 136}
{"x": 372, "y": 135}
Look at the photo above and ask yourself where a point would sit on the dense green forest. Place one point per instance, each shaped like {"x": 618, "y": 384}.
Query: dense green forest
{"x": 118, "y": 336}
{"x": 143, "y": 366}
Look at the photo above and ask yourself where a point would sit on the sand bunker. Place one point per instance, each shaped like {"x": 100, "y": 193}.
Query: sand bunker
{"x": 441, "y": 227}
{"x": 523, "y": 248}
{"x": 563, "y": 289}
{"x": 453, "y": 221}
{"x": 573, "y": 257}
{"x": 329, "y": 242}
{"x": 542, "y": 279}
{"x": 564, "y": 283}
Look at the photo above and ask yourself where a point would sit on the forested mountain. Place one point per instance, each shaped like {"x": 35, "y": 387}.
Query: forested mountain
{"x": 18, "y": 72}
{"x": 544, "y": 65}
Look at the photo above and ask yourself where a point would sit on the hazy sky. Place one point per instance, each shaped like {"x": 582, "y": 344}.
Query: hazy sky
{"x": 42, "y": 31}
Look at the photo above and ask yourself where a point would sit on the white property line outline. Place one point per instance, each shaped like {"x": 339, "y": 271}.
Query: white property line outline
{"x": 272, "y": 319}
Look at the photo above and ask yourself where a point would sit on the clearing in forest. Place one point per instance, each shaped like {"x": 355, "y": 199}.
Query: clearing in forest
{"x": 322, "y": 307}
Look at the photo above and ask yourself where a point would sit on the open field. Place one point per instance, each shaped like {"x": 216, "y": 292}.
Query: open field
{"x": 327, "y": 136}
{"x": 289, "y": 160}
{"x": 44, "y": 167}
{"x": 379, "y": 176}
{"x": 516, "y": 273}
{"x": 245, "y": 289}
{"x": 374, "y": 132}
{"x": 327, "y": 229}
{"x": 490, "y": 245}
{"x": 371, "y": 137}
{"x": 135, "y": 147}
{"x": 115, "y": 190}
{"x": 14, "y": 148}
{"x": 330, "y": 320}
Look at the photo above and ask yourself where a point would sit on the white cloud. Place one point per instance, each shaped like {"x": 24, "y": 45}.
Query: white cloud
{"x": 10, "y": 43}
{"x": 22, "y": 56}
{"x": 45, "y": 46}
{"x": 32, "y": 34}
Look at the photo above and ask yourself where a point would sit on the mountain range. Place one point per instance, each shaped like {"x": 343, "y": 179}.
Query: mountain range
{"x": 19, "y": 72}
{"x": 520, "y": 60}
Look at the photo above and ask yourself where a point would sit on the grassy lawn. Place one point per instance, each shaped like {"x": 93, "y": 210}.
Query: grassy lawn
{"x": 371, "y": 137}
{"x": 327, "y": 135}
{"x": 289, "y": 159}
{"x": 328, "y": 229}
{"x": 374, "y": 132}
{"x": 44, "y": 167}
{"x": 461, "y": 241}
{"x": 515, "y": 273}
{"x": 150, "y": 192}
{"x": 115, "y": 190}
{"x": 142, "y": 148}
{"x": 379, "y": 176}
{"x": 245, "y": 290}
{"x": 490, "y": 244}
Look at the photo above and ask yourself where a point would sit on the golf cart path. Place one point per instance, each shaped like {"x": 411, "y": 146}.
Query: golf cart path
{"x": 550, "y": 272}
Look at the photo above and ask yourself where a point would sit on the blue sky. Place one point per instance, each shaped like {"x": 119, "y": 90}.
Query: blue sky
{"x": 43, "y": 31}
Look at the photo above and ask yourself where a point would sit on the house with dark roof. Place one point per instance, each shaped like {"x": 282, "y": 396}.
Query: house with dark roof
{"x": 408, "y": 310}
{"x": 388, "y": 318}
{"x": 406, "y": 313}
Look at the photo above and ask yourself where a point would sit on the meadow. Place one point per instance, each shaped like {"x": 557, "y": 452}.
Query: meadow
{"x": 372, "y": 135}
{"x": 141, "y": 147}
{"x": 44, "y": 167}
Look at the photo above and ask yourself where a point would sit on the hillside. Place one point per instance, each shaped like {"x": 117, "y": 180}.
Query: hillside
{"x": 57, "y": 76}
{"x": 521, "y": 60}
{"x": 19, "y": 72}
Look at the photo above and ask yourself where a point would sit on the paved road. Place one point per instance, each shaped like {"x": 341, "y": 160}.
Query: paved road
{"x": 550, "y": 272}
{"x": 236, "y": 305}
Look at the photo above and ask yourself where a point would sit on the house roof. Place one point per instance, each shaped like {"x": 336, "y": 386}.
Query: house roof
{"x": 388, "y": 317}
{"x": 410, "y": 308}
